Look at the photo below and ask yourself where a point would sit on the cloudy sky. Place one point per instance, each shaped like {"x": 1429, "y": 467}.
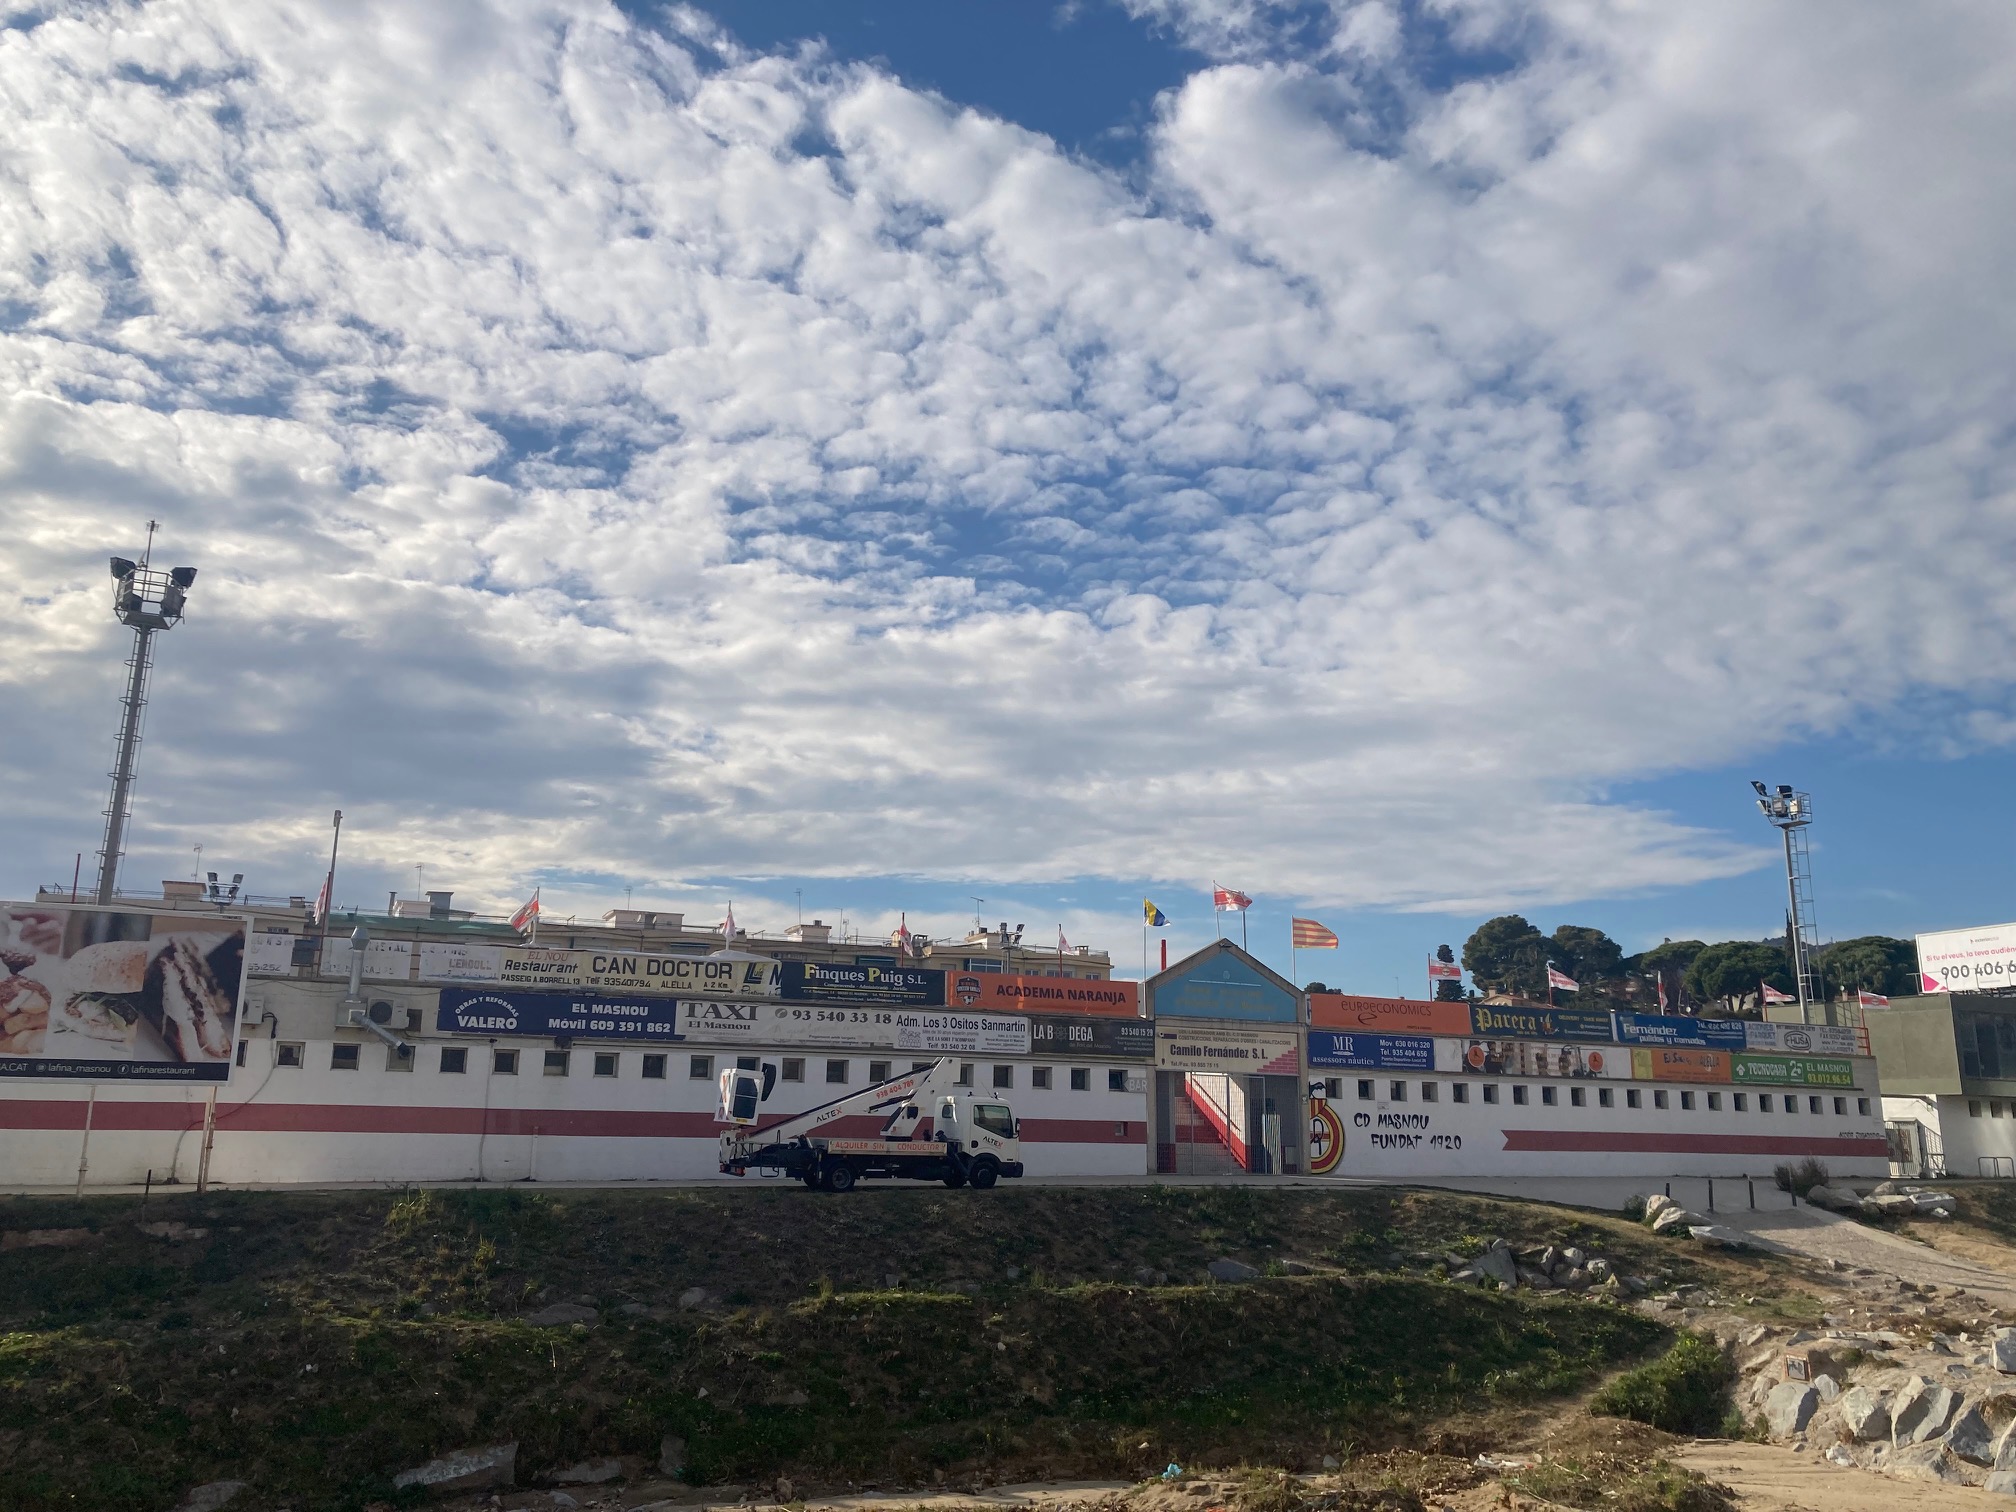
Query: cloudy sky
{"x": 1405, "y": 460}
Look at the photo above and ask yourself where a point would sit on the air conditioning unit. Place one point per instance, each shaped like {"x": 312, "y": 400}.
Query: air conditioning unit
{"x": 384, "y": 1014}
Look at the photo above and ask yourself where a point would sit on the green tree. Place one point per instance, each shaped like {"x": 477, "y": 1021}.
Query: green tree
{"x": 1588, "y": 955}
{"x": 1447, "y": 991}
{"x": 1877, "y": 963}
{"x": 1668, "y": 962}
{"x": 1507, "y": 954}
{"x": 1732, "y": 970}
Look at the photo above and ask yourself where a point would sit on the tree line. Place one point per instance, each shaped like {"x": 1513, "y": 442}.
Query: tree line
{"x": 1510, "y": 955}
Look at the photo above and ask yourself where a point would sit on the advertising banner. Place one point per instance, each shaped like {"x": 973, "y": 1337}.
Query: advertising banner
{"x": 1677, "y": 1029}
{"x": 1004, "y": 992}
{"x": 942, "y": 1032}
{"x": 1368, "y": 1052}
{"x": 90, "y": 994}
{"x": 1542, "y": 1023}
{"x": 817, "y": 981}
{"x": 589, "y": 1016}
{"x": 1339, "y": 1010}
{"x": 1968, "y": 960}
{"x": 1240, "y": 1052}
{"x": 1681, "y": 1063}
{"x": 270, "y": 955}
{"x": 461, "y": 963}
{"x": 1807, "y": 1039}
{"x": 1500, "y": 1057}
{"x": 1053, "y": 1035}
{"x": 1792, "y": 1071}
{"x": 384, "y": 960}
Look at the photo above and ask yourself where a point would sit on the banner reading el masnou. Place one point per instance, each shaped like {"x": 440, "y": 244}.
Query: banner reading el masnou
{"x": 90, "y": 994}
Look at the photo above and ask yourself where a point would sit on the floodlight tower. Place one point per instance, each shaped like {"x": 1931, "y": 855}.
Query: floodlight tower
{"x": 145, "y": 599}
{"x": 1790, "y": 812}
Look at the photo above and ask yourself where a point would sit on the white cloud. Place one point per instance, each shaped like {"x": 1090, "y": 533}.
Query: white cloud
{"x": 613, "y": 452}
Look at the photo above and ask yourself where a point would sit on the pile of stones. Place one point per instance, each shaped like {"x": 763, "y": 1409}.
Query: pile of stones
{"x": 1547, "y": 1267}
{"x": 1890, "y": 1200}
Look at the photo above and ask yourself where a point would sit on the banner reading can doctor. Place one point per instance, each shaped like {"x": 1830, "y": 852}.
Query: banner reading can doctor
{"x": 99, "y": 995}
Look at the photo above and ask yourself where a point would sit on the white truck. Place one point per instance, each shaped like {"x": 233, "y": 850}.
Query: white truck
{"x": 933, "y": 1129}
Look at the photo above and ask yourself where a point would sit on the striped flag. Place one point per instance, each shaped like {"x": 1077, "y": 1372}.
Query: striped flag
{"x": 528, "y": 913}
{"x": 1773, "y": 995}
{"x": 1873, "y": 1000}
{"x": 1229, "y": 898}
{"x": 1444, "y": 971}
{"x": 1152, "y": 916}
{"x": 1307, "y": 934}
{"x": 1559, "y": 980}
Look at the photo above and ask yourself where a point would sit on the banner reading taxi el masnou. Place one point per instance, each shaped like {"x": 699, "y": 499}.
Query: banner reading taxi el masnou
{"x": 1377, "y": 1015}
{"x": 1013, "y": 992}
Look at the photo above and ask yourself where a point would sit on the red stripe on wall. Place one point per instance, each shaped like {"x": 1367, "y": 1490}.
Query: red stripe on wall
{"x": 1600, "y": 1143}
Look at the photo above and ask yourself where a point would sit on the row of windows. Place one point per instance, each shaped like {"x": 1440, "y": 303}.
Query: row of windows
{"x": 1606, "y": 1097}
{"x": 454, "y": 1061}
{"x": 1997, "y": 1108}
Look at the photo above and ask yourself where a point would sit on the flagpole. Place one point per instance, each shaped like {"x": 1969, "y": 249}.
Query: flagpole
{"x": 328, "y": 888}
{"x": 536, "y": 911}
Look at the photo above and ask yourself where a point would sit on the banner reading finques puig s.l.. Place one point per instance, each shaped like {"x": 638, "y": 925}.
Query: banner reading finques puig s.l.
{"x": 107, "y": 994}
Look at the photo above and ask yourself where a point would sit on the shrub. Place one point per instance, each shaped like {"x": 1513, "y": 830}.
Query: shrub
{"x": 1682, "y": 1391}
{"x": 1801, "y": 1178}
{"x": 1634, "y": 1209}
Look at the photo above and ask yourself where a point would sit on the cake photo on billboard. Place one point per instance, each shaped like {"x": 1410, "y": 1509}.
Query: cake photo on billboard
{"x": 191, "y": 995}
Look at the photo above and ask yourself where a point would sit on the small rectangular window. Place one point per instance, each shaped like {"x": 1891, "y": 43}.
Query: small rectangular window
{"x": 1813, "y": 1104}
{"x": 288, "y": 1053}
{"x": 878, "y": 1072}
{"x": 454, "y": 1060}
{"x": 556, "y": 1062}
{"x": 1459, "y": 1092}
{"x": 1994, "y": 1108}
{"x": 1548, "y": 1096}
{"x": 1739, "y": 1101}
{"x": 1658, "y": 1099}
{"x": 1364, "y": 1090}
{"x": 1606, "y": 1097}
{"x": 1004, "y": 1078}
{"x": 654, "y": 1068}
{"x": 343, "y": 1057}
{"x": 1578, "y": 1097}
{"x": 1973, "y": 1107}
{"x": 1081, "y": 1078}
{"x": 916, "y": 1066}
{"x": 1039, "y": 1078}
{"x": 965, "y": 1073}
{"x": 1633, "y": 1098}
{"x": 1116, "y": 1081}
{"x": 1519, "y": 1094}
{"x": 1686, "y": 1102}
{"x": 1333, "y": 1088}
{"x": 503, "y": 1062}
{"x": 748, "y": 1063}
{"x": 793, "y": 1069}
{"x": 1714, "y": 1102}
{"x": 605, "y": 1063}
{"x": 1428, "y": 1091}
{"x": 1396, "y": 1091}
{"x": 836, "y": 1073}
{"x": 1840, "y": 1107}
{"x": 700, "y": 1068}
{"x": 1763, "y": 1102}
{"x": 1491, "y": 1092}
{"x": 1862, "y": 1106}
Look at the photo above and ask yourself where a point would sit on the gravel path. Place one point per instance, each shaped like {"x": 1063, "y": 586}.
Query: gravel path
{"x": 1829, "y": 1236}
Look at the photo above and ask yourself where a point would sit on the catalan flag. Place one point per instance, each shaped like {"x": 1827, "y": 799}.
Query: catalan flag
{"x": 1154, "y": 916}
{"x": 1307, "y": 934}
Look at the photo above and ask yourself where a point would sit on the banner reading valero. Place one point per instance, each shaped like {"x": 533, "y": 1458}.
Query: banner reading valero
{"x": 1053, "y": 1034}
{"x": 819, "y": 981}
{"x": 1243, "y": 1052}
{"x": 91, "y": 994}
{"x": 1792, "y": 1071}
{"x": 721, "y": 975}
{"x": 1541, "y": 1023}
{"x": 466, "y": 1010}
{"x": 1367, "y": 1052}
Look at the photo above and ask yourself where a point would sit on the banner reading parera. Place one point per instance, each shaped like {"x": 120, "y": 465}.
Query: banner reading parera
{"x": 90, "y": 994}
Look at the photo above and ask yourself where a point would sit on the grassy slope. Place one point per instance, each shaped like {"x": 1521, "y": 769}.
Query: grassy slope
{"x": 130, "y": 1368}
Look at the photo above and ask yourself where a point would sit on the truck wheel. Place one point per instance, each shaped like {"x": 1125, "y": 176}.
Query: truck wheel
{"x": 840, "y": 1178}
{"x": 984, "y": 1175}
{"x": 811, "y": 1180}
{"x": 955, "y": 1178}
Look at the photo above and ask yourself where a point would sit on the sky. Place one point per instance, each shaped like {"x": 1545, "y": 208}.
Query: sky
{"x": 1409, "y": 462}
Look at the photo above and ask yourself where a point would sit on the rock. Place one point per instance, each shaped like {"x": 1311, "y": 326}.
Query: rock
{"x": 1468, "y": 1274}
{"x": 1837, "y": 1454}
{"x": 1863, "y": 1414}
{"x": 1637, "y": 1285}
{"x": 1925, "y": 1202}
{"x": 1575, "y": 1279}
{"x": 634, "y": 1310}
{"x": 1533, "y": 1277}
{"x": 1755, "y": 1336}
{"x": 1295, "y": 1268}
{"x": 1827, "y": 1386}
{"x": 1717, "y": 1236}
{"x": 1889, "y": 1207}
{"x": 1673, "y": 1219}
{"x": 588, "y": 1473}
{"x": 2003, "y": 1481}
{"x": 1498, "y": 1265}
{"x": 15, "y": 1239}
{"x": 1145, "y": 1276}
{"x": 1574, "y": 1256}
{"x": 1331, "y": 1462}
{"x": 1920, "y": 1412}
{"x": 1231, "y": 1270}
{"x": 1013, "y": 1272}
{"x": 464, "y": 1470}
{"x": 560, "y": 1499}
{"x": 697, "y": 1297}
{"x": 1971, "y": 1438}
{"x": 671, "y": 1454}
{"x": 561, "y": 1315}
{"x": 209, "y": 1498}
{"x": 1656, "y": 1204}
{"x": 1600, "y": 1270}
{"x": 793, "y": 1397}
{"x": 1547, "y": 1259}
{"x": 174, "y": 1233}
{"x": 1835, "y": 1199}
{"x": 1928, "y": 1462}
{"x": 1789, "y": 1408}
{"x": 2005, "y": 1449}
{"x": 2002, "y": 1350}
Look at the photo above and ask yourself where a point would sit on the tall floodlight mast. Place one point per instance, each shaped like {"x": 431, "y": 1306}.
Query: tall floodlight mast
{"x": 1790, "y": 813}
{"x": 145, "y": 599}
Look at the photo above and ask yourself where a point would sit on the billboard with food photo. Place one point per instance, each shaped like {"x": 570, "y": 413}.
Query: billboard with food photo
{"x": 102, "y": 995}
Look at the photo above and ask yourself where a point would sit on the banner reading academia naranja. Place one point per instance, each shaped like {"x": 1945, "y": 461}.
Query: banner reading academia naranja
{"x": 1008, "y": 992}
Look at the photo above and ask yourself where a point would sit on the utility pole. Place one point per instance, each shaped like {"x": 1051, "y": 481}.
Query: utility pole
{"x": 145, "y": 600}
{"x": 1790, "y": 813}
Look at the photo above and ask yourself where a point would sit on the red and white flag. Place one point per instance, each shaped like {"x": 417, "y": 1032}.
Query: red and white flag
{"x": 1559, "y": 980}
{"x": 1873, "y": 1000}
{"x": 1063, "y": 945}
{"x": 322, "y": 903}
{"x": 1444, "y": 971}
{"x": 1773, "y": 995}
{"x": 528, "y": 913}
{"x": 1661, "y": 979}
{"x": 1229, "y": 897}
{"x": 728, "y": 925}
{"x": 1307, "y": 934}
